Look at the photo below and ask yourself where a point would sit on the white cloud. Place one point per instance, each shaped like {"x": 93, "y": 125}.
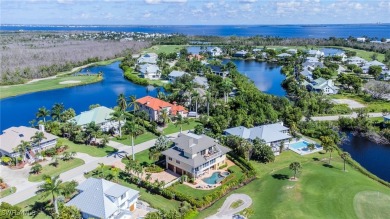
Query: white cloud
{"x": 164, "y": 1}
{"x": 65, "y": 1}
{"x": 147, "y": 14}
{"x": 209, "y": 5}
{"x": 247, "y": 1}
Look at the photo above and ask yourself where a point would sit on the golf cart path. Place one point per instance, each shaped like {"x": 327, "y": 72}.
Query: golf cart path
{"x": 226, "y": 212}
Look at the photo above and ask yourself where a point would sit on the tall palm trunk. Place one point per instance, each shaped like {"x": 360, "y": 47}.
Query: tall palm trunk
{"x": 208, "y": 108}
{"x": 132, "y": 147}
{"x": 196, "y": 106}
{"x": 120, "y": 129}
{"x": 55, "y": 203}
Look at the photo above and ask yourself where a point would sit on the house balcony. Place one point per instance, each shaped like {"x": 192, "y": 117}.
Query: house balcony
{"x": 212, "y": 155}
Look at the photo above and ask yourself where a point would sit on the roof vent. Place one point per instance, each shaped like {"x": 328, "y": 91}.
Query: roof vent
{"x": 21, "y": 135}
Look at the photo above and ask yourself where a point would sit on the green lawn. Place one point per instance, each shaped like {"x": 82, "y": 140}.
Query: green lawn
{"x": 39, "y": 207}
{"x": 172, "y": 128}
{"x": 50, "y": 84}
{"x": 372, "y": 105}
{"x": 320, "y": 192}
{"x": 147, "y": 136}
{"x": 142, "y": 157}
{"x": 362, "y": 53}
{"x": 164, "y": 48}
{"x": 89, "y": 149}
{"x": 50, "y": 170}
{"x": 7, "y": 191}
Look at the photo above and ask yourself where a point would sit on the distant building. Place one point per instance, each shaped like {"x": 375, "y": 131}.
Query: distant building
{"x": 322, "y": 85}
{"x": 148, "y": 58}
{"x": 283, "y": 55}
{"x": 315, "y": 53}
{"x": 385, "y": 75}
{"x": 361, "y": 39}
{"x": 356, "y": 61}
{"x": 292, "y": 51}
{"x": 240, "y": 54}
{"x": 12, "y": 137}
{"x": 154, "y": 107}
{"x": 367, "y": 66}
{"x": 175, "y": 74}
{"x": 150, "y": 71}
{"x": 307, "y": 74}
{"x": 101, "y": 116}
{"x": 201, "y": 81}
{"x": 196, "y": 57}
{"x": 272, "y": 134}
{"x": 194, "y": 155}
{"x": 218, "y": 70}
{"x": 99, "y": 198}
{"x": 215, "y": 51}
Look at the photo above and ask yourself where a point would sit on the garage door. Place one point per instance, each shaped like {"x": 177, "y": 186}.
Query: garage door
{"x": 179, "y": 171}
{"x": 170, "y": 167}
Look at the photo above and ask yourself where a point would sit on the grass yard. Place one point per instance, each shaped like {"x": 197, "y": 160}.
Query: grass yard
{"x": 362, "y": 53}
{"x": 50, "y": 170}
{"x": 372, "y": 105}
{"x": 322, "y": 191}
{"x": 142, "y": 157}
{"x": 172, "y": 128}
{"x": 164, "y": 48}
{"x": 49, "y": 84}
{"x": 7, "y": 192}
{"x": 38, "y": 207}
{"x": 147, "y": 136}
{"x": 89, "y": 149}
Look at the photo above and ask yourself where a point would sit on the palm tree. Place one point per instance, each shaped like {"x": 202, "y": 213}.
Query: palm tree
{"x": 208, "y": 100}
{"x": 115, "y": 173}
{"x": 148, "y": 176}
{"x": 196, "y": 97}
{"x": 37, "y": 168}
{"x": 133, "y": 103}
{"x": 180, "y": 121}
{"x": 311, "y": 146}
{"x": 43, "y": 113}
{"x": 295, "y": 166}
{"x": 133, "y": 130}
{"x": 68, "y": 155}
{"x": 52, "y": 186}
{"x": 119, "y": 116}
{"x": 164, "y": 116}
{"x": 101, "y": 168}
{"x": 227, "y": 86}
{"x": 22, "y": 148}
{"x": 55, "y": 161}
{"x": 328, "y": 145}
{"x": 92, "y": 130}
{"x": 105, "y": 140}
{"x": 345, "y": 156}
{"x": 56, "y": 111}
{"x": 38, "y": 137}
{"x": 122, "y": 103}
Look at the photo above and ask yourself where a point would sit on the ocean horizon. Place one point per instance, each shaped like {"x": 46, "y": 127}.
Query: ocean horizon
{"x": 378, "y": 30}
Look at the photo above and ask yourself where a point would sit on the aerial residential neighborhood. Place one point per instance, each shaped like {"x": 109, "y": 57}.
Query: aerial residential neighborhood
{"x": 182, "y": 109}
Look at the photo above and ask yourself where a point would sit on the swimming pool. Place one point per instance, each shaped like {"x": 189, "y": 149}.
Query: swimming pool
{"x": 215, "y": 178}
{"x": 299, "y": 145}
{"x": 301, "y": 148}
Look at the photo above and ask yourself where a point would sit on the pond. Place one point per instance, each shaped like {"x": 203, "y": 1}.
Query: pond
{"x": 266, "y": 76}
{"x": 19, "y": 110}
{"x": 372, "y": 156}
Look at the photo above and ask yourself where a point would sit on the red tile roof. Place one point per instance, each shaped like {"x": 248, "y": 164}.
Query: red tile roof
{"x": 157, "y": 104}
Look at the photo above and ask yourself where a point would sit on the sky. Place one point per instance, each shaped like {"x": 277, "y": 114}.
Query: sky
{"x": 193, "y": 12}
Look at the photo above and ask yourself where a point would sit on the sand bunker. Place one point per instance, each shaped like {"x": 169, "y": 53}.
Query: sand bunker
{"x": 69, "y": 82}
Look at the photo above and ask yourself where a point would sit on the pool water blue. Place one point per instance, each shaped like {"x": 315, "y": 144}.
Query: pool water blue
{"x": 299, "y": 145}
{"x": 214, "y": 178}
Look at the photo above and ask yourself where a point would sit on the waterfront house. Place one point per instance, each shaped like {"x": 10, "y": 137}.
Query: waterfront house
{"x": 356, "y": 61}
{"x": 322, "y": 85}
{"x": 307, "y": 74}
{"x": 385, "y": 75}
{"x": 315, "y": 53}
{"x": 175, "y": 74}
{"x": 218, "y": 70}
{"x": 148, "y": 58}
{"x": 215, "y": 51}
{"x": 150, "y": 71}
{"x": 154, "y": 106}
{"x": 201, "y": 81}
{"x": 283, "y": 55}
{"x": 99, "y": 198}
{"x": 101, "y": 116}
{"x": 292, "y": 51}
{"x": 12, "y": 137}
{"x": 272, "y": 134}
{"x": 195, "y": 56}
{"x": 361, "y": 39}
{"x": 341, "y": 55}
{"x": 240, "y": 54}
{"x": 194, "y": 155}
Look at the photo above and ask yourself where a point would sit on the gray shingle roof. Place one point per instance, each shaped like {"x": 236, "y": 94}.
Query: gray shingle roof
{"x": 93, "y": 198}
{"x": 193, "y": 144}
{"x": 269, "y": 133}
{"x": 177, "y": 74}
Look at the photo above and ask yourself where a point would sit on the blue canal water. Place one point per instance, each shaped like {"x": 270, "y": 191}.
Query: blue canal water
{"x": 19, "y": 110}
{"x": 289, "y": 31}
{"x": 374, "y": 157}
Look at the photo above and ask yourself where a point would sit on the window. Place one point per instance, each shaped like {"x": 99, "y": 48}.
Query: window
{"x": 123, "y": 196}
{"x": 170, "y": 158}
{"x": 203, "y": 152}
{"x": 178, "y": 162}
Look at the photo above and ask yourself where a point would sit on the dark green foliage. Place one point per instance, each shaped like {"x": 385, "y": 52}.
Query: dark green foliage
{"x": 8, "y": 211}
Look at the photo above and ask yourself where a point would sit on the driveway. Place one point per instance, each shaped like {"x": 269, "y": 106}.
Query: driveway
{"x": 28, "y": 189}
{"x": 227, "y": 212}
{"x": 336, "y": 117}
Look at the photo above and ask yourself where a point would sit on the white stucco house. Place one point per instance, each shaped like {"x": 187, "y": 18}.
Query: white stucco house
{"x": 214, "y": 51}
{"x": 322, "y": 85}
{"x": 150, "y": 71}
{"x": 13, "y": 136}
{"x": 175, "y": 74}
{"x": 102, "y": 199}
{"x": 148, "y": 58}
{"x": 194, "y": 155}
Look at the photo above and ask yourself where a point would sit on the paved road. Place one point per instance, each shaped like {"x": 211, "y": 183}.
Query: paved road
{"x": 336, "y": 117}
{"x": 77, "y": 173}
{"x": 226, "y": 212}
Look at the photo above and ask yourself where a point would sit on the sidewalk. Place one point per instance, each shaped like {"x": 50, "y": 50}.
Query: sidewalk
{"x": 336, "y": 117}
{"x": 78, "y": 173}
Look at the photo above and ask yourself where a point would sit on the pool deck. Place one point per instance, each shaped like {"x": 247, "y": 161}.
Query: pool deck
{"x": 305, "y": 152}
{"x": 200, "y": 184}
